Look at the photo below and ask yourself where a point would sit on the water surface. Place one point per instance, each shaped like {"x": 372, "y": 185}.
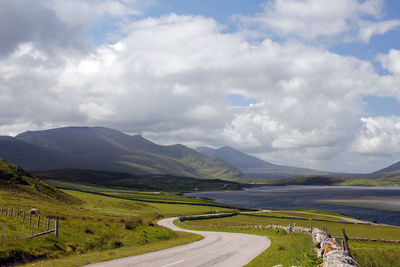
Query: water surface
{"x": 376, "y": 204}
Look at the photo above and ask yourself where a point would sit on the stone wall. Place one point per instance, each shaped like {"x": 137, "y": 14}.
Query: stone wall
{"x": 332, "y": 252}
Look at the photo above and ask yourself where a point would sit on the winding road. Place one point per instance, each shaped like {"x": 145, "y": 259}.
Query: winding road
{"x": 215, "y": 249}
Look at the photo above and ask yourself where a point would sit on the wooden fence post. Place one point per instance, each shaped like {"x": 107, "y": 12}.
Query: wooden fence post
{"x": 38, "y": 221}
{"x": 11, "y": 213}
{"x": 48, "y": 224}
{"x": 2, "y": 231}
{"x": 56, "y": 228}
{"x": 6, "y": 211}
{"x": 17, "y": 215}
{"x": 33, "y": 229}
{"x": 346, "y": 239}
{"x": 23, "y": 218}
{"x": 30, "y": 218}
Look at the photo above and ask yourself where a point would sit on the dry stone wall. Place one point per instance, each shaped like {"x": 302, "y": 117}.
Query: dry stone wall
{"x": 332, "y": 252}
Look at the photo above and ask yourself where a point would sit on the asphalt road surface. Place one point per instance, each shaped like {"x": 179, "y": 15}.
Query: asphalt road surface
{"x": 215, "y": 249}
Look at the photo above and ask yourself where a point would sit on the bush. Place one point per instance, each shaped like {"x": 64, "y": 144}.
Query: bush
{"x": 116, "y": 244}
{"x": 131, "y": 225}
{"x": 87, "y": 231}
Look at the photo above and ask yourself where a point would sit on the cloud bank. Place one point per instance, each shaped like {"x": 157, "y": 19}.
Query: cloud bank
{"x": 168, "y": 77}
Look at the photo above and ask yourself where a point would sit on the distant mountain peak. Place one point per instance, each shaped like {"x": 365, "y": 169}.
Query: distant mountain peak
{"x": 101, "y": 148}
{"x": 253, "y": 167}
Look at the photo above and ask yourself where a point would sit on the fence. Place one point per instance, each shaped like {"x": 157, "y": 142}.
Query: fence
{"x": 29, "y": 219}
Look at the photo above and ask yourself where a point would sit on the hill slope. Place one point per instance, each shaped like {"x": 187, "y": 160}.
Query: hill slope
{"x": 15, "y": 179}
{"x": 391, "y": 169}
{"x": 132, "y": 181}
{"x": 253, "y": 167}
{"x": 100, "y": 148}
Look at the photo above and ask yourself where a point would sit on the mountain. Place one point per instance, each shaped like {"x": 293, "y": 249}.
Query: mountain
{"x": 390, "y": 173}
{"x": 238, "y": 159}
{"x": 390, "y": 169}
{"x": 253, "y": 167}
{"x": 105, "y": 149}
{"x": 17, "y": 180}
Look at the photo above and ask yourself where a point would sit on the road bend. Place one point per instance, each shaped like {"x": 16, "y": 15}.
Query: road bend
{"x": 215, "y": 249}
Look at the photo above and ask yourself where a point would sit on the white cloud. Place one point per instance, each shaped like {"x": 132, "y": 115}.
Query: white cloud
{"x": 168, "y": 78}
{"x": 369, "y": 29}
{"x": 391, "y": 61}
{"x": 315, "y": 20}
{"x": 378, "y": 136}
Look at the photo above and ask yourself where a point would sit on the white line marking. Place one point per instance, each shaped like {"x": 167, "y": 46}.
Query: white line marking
{"x": 173, "y": 263}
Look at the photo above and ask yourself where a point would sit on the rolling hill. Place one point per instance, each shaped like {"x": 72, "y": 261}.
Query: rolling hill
{"x": 253, "y": 167}
{"x": 391, "y": 170}
{"x": 105, "y": 149}
{"x": 16, "y": 180}
{"x": 74, "y": 178}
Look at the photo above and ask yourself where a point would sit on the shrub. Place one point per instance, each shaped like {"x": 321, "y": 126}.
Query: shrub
{"x": 116, "y": 244}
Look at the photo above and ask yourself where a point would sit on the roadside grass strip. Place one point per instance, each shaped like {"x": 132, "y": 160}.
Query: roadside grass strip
{"x": 96, "y": 229}
{"x": 285, "y": 249}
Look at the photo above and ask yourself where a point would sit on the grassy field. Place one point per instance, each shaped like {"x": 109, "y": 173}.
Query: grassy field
{"x": 155, "y": 182}
{"x": 337, "y": 181}
{"x": 352, "y": 230}
{"x": 98, "y": 228}
{"x": 375, "y": 253}
{"x": 300, "y": 214}
{"x": 287, "y": 249}
{"x": 161, "y": 196}
{"x": 366, "y": 253}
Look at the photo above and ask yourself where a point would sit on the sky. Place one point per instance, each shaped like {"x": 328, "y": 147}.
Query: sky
{"x": 307, "y": 83}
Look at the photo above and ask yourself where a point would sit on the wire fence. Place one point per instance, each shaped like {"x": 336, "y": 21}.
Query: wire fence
{"x": 31, "y": 224}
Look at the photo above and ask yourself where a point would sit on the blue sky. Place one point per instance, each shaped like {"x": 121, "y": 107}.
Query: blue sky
{"x": 223, "y": 11}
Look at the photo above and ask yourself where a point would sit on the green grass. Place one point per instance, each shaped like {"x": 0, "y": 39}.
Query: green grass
{"x": 388, "y": 180}
{"x": 301, "y": 215}
{"x": 352, "y": 230}
{"x": 118, "y": 181}
{"x": 371, "y": 254}
{"x": 105, "y": 255}
{"x": 98, "y": 225}
{"x": 166, "y": 197}
{"x": 108, "y": 206}
{"x": 293, "y": 249}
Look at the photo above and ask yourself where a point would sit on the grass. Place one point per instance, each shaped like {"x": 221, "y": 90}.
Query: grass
{"x": 94, "y": 256}
{"x": 109, "y": 207}
{"x": 388, "y": 180}
{"x": 370, "y": 254}
{"x": 302, "y": 215}
{"x": 90, "y": 179}
{"x": 166, "y": 197}
{"x": 367, "y": 253}
{"x": 293, "y": 249}
{"x": 104, "y": 227}
{"x": 352, "y": 230}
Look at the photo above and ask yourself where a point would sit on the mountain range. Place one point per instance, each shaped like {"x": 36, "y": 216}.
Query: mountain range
{"x": 104, "y": 149}
{"x": 256, "y": 168}
{"x": 98, "y": 148}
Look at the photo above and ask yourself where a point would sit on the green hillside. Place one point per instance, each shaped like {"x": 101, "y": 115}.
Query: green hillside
{"x": 17, "y": 180}
{"x": 104, "y": 149}
{"x": 76, "y": 179}
{"x": 338, "y": 181}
